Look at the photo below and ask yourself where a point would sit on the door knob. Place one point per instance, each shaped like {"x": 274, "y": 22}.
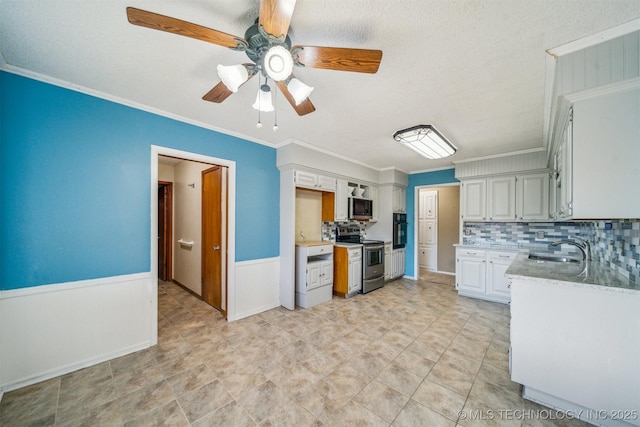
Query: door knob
{"x": 216, "y": 248}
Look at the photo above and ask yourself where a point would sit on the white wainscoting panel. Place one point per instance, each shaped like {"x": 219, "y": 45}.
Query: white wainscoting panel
{"x": 257, "y": 286}
{"x": 47, "y": 331}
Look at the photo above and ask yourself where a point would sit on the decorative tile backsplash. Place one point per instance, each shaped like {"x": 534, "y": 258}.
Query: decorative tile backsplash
{"x": 613, "y": 242}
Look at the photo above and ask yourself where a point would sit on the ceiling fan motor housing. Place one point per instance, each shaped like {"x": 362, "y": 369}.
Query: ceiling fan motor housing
{"x": 259, "y": 42}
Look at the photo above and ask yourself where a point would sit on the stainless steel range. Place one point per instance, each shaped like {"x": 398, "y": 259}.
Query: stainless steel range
{"x": 373, "y": 260}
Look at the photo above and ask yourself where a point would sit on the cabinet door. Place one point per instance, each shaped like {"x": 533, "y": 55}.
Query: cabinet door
{"x": 533, "y": 196}
{"x": 373, "y": 195}
{"x": 428, "y": 257}
{"x": 430, "y": 232}
{"x": 497, "y": 285}
{"x": 474, "y": 199}
{"x": 326, "y": 273}
{"x": 398, "y": 262}
{"x": 341, "y": 200}
{"x": 326, "y": 183}
{"x": 314, "y": 270}
{"x": 428, "y": 204}
{"x": 388, "y": 262}
{"x": 355, "y": 270}
{"x": 470, "y": 272}
{"x": 305, "y": 179}
{"x": 563, "y": 181}
{"x": 501, "y": 196}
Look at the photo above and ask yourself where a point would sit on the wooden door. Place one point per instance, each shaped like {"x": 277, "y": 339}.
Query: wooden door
{"x": 213, "y": 236}
{"x": 165, "y": 238}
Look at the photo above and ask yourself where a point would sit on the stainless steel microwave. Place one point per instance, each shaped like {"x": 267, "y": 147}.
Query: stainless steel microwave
{"x": 360, "y": 209}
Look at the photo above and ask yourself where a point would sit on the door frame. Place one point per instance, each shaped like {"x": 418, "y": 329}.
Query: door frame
{"x": 416, "y": 208}
{"x": 157, "y": 150}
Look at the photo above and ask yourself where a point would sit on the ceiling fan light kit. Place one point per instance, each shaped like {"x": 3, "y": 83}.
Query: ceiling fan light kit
{"x": 426, "y": 140}
{"x": 299, "y": 90}
{"x": 268, "y": 46}
{"x": 263, "y": 99}
{"x": 233, "y": 76}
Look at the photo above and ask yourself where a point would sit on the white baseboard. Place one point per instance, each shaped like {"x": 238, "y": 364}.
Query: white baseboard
{"x": 47, "y": 331}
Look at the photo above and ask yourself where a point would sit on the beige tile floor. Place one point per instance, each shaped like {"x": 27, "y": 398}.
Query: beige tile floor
{"x": 413, "y": 353}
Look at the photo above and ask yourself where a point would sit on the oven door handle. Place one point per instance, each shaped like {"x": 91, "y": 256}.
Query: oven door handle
{"x": 374, "y": 247}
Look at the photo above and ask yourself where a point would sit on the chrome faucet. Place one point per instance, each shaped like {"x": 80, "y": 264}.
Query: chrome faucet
{"x": 582, "y": 244}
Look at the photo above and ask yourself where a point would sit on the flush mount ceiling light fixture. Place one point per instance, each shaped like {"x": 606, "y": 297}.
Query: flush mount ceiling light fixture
{"x": 426, "y": 141}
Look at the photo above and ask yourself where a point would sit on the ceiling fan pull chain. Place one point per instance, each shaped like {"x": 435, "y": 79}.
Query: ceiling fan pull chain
{"x": 275, "y": 109}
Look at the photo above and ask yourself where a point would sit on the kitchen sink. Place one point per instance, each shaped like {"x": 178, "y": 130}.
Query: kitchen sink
{"x": 552, "y": 258}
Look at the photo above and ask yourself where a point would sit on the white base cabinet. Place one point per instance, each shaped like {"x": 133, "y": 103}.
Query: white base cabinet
{"x": 388, "y": 264}
{"x": 314, "y": 274}
{"x": 397, "y": 263}
{"x": 576, "y": 348}
{"x": 480, "y": 273}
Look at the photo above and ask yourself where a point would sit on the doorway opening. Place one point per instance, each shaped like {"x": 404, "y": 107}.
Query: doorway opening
{"x": 437, "y": 228}
{"x": 186, "y": 264}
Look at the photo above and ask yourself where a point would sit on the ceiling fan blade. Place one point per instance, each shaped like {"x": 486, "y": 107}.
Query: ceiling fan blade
{"x": 220, "y": 92}
{"x": 305, "y": 107}
{"x": 275, "y": 16}
{"x": 338, "y": 58}
{"x": 156, "y": 21}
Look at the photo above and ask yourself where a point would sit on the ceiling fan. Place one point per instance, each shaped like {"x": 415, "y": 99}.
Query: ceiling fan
{"x": 268, "y": 46}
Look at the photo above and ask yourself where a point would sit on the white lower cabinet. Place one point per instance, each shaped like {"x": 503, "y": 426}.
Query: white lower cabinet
{"x": 314, "y": 274}
{"x": 480, "y": 273}
{"x": 388, "y": 264}
{"x": 397, "y": 263}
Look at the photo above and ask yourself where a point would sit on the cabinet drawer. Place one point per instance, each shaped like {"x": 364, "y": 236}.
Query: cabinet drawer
{"x": 471, "y": 253}
{"x": 319, "y": 250}
{"x": 504, "y": 256}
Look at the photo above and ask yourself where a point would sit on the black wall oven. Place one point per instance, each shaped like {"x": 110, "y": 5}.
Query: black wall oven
{"x": 399, "y": 230}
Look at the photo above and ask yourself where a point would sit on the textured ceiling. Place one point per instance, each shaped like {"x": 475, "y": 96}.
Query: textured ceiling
{"x": 473, "y": 68}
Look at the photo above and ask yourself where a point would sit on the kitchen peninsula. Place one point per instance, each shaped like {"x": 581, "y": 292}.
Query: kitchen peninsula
{"x": 557, "y": 311}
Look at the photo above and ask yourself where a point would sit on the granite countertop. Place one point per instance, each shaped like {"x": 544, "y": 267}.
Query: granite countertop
{"x": 491, "y": 246}
{"x": 585, "y": 273}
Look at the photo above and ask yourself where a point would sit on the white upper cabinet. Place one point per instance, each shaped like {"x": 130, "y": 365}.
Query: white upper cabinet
{"x": 341, "y": 201}
{"x": 606, "y": 155}
{"x": 501, "y": 198}
{"x": 399, "y": 196}
{"x": 532, "y": 197}
{"x": 314, "y": 181}
{"x": 474, "y": 200}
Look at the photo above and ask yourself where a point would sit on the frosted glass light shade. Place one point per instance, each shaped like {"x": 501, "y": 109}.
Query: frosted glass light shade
{"x": 233, "y": 76}
{"x": 278, "y": 63}
{"x": 426, "y": 141}
{"x": 263, "y": 99}
{"x": 298, "y": 90}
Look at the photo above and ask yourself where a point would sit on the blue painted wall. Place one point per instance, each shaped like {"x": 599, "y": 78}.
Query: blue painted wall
{"x": 445, "y": 176}
{"x": 75, "y": 182}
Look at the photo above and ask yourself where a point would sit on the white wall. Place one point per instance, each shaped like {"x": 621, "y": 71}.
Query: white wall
{"x": 46, "y": 331}
{"x": 187, "y": 266}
